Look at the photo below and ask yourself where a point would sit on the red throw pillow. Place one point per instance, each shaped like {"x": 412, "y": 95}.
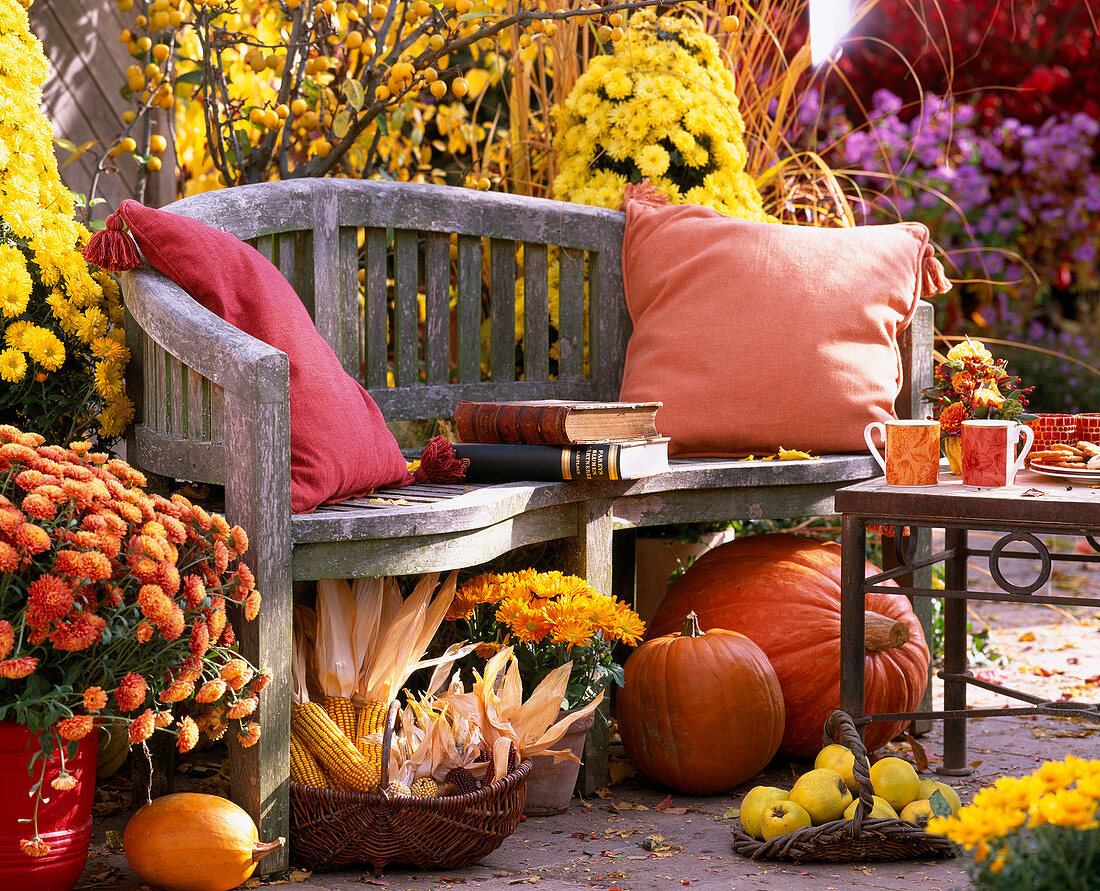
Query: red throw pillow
{"x": 760, "y": 335}
{"x": 340, "y": 446}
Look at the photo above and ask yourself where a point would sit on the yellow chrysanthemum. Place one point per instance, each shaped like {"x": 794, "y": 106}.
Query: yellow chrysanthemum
{"x": 13, "y": 365}
{"x": 47, "y": 350}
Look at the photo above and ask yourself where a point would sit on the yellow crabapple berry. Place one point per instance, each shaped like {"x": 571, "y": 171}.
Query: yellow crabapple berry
{"x": 430, "y": 75}
{"x": 328, "y": 7}
{"x": 299, "y": 107}
{"x": 354, "y": 40}
{"x": 463, "y": 6}
{"x": 133, "y": 71}
{"x": 144, "y": 44}
{"x": 271, "y": 119}
{"x": 115, "y": 152}
{"x": 423, "y": 8}
{"x": 161, "y": 52}
{"x": 157, "y": 143}
{"x": 460, "y": 87}
{"x": 256, "y": 116}
{"x": 525, "y": 40}
{"x": 126, "y": 36}
{"x": 551, "y": 29}
{"x": 160, "y": 21}
{"x": 730, "y": 23}
{"x": 378, "y": 11}
{"x": 283, "y": 111}
{"x": 153, "y": 165}
{"x": 537, "y": 26}
{"x": 603, "y": 33}
{"x": 382, "y": 93}
{"x": 127, "y": 144}
{"x": 615, "y": 20}
{"x": 141, "y": 21}
{"x": 483, "y": 184}
{"x": 439, "y": 89}
{"x": 129, "y": 115}
{"x": 322, "y": 148}
{"x": 435, "y": 42}
{"x": 125, "y": 5}
{"x": 152, "y": 69}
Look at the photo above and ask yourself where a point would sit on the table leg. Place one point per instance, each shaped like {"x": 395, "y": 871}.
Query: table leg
{"x": 954, "y": 656}
{"x": 852, "y": 604}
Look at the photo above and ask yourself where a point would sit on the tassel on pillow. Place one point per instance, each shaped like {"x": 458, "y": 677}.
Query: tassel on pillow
{"x": 112, "y": 248}
{"x": 438, "y": 463}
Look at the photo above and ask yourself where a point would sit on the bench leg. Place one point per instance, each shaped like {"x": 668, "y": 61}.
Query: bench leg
{"x": 590, "y": 557}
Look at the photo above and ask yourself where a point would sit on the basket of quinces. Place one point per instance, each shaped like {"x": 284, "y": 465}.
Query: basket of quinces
{"x": 439, "y": 783}
{"x": 846, "y": 809}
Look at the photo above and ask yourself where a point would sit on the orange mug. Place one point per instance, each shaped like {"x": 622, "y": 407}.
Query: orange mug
{"x": 912, "y": 451}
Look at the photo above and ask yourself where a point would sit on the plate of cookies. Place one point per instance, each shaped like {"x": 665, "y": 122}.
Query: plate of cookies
{"x": 1079, "y": 462}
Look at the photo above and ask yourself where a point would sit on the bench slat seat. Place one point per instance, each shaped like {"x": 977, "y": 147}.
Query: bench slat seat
{"x": 417, "y": 289}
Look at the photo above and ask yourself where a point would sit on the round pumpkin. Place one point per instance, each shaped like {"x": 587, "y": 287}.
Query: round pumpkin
{"x": 783, "y": 592}
{"x": 189, "y": 841}
{"x": 699, "y": 712}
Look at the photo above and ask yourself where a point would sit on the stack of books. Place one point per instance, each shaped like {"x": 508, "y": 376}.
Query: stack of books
{"x": 559, "y": 440}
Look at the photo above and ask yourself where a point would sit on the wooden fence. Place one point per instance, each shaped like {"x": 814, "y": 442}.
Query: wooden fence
{"x": 82, "y": 98}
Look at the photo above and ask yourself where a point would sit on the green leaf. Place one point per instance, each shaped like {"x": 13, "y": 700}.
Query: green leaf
{"x": 354, "y": 91}
{"x": 190, "y": 77}
{"x": 939, "y": 804}
{"x": 341, "y": 124}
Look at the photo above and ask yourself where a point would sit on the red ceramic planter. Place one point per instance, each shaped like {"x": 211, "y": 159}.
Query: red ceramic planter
{"x": 65, "y": 821}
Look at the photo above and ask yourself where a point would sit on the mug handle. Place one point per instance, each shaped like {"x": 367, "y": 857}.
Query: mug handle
{"x": 870, "y": 445}
{"x": 1029, "y": 440}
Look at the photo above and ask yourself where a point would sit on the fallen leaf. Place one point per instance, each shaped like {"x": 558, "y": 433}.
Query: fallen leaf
{"x": 1026, "y": 636}
{"x": 629, "y": 806}
{"x": 919, "y": 755}
{"x": 731, "y": 813}
{"x": 366, "y": 880}
{"x": 602, "y": 793}
{"x": 657, "y": 845}
{"x": 113, "y": 840}
{"x": 1033, "y": 493}
{"x": 525, "y": 880}
{"x": 620, "y": 769}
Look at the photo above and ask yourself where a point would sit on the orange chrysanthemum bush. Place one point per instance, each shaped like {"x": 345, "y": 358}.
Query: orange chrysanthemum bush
{"x": 549, "y": 619}
{"x": 113, "y": 607}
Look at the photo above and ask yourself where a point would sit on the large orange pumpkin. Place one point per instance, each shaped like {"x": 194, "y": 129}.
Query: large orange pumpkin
{"x": 699, "y": 712}
{"x": 783, "y": 592}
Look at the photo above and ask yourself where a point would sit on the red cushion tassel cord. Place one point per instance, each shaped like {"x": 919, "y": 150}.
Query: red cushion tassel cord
{"x": 438, "y": 463}
{"x": 112, "y": 248}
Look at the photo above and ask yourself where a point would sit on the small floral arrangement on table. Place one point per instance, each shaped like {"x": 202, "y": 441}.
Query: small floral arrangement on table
{"x": 1038, "y": 831}
{"x": 113, "y": 608}
{"x": 971, "y": 384}
{"x": 549, "y": 619}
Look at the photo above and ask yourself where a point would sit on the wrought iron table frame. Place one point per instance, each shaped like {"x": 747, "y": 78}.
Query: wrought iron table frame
{"x": 1062, "y": 509}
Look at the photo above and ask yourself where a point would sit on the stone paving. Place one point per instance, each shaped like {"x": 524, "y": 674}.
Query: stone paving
{"x": 637, "y": 836}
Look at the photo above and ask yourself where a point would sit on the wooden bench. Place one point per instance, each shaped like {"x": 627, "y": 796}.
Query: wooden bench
{"x": 212, "y": 402}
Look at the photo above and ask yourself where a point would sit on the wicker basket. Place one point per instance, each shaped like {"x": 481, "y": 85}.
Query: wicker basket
{"x": 331, "y": 828}
{"x": 845, "y": 841}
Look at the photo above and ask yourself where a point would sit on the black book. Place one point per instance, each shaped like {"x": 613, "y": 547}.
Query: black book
{"x": 503, "y": 462}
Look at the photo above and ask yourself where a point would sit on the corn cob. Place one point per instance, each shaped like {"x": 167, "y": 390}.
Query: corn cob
{"x": 425, "y": 787}
{"x": 372, "y": 718}
{"x": 397, "y": 788}
{"x": 304, "y": 767}
{"x": 372, "y": 757}
{"x": 342, "y": 712}
{"x": 329, "y": 746}
{"x": 462, "y": 780}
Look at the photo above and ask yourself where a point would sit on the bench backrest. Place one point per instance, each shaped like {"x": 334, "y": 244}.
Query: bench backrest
{"x": 415, "y": 287}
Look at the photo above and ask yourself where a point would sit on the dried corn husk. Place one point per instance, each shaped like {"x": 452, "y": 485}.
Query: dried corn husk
{"x": 303, "y": 664}
{"x": 336, "y": 621}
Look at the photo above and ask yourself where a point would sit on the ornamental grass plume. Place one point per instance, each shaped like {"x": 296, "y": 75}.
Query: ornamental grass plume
{"x": 1040, "y": 832}
{"x": 970, "y": 384}
{"x": 63, "y": 352}
{"x": 662, "y": 108}
{"x": 113, "y": 607}
{"x": 548, "y": 619}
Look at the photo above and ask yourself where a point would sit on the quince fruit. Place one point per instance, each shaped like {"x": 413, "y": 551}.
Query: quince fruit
{"x": 842, "y": 760}
{"x": 896, "y": 780}
{"x": 823, "y": 793}
{"x": 927, "y": 787}
{"x": 919, "y": 812}
{"x": 754, "y": 803}
{"x": 783, "y": 817}
{"x": 880, "y": 811}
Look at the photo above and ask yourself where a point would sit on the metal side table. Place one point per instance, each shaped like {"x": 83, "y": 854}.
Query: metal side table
{"x": 1037, "y": 505}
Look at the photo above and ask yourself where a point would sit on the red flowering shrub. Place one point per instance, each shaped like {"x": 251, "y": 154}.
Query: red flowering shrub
{"x": 1027, "y": 59}
{"x": 112, "y": 605}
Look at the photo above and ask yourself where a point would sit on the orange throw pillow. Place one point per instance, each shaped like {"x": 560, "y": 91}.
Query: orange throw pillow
{"x": 758, "y": 335}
